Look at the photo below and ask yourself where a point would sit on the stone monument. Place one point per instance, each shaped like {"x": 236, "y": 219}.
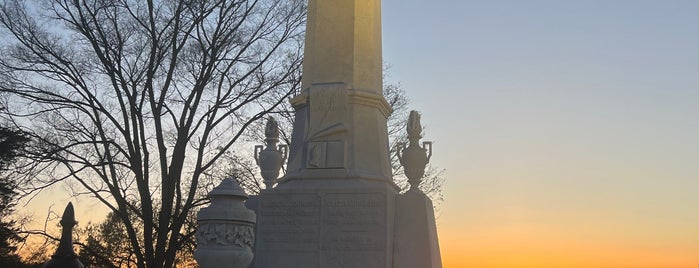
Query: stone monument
{"x": 65, "y": 256}
{"x": 337, "y": 204}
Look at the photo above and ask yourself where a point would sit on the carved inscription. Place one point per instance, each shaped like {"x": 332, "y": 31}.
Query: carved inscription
{"x": 289, "y": 222}
{"x": 364, "y": 259}
{"x": 328, "y": 111}
{"x": 329, "y": 99}
{"x": 354, "y": 221}
{"x": 331, "y": 229}
{"x": 322, "y": 154}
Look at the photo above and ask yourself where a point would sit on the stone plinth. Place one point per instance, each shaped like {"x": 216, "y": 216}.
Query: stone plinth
{"x": 335, "y": 223}
{"x": 416, "y": 243}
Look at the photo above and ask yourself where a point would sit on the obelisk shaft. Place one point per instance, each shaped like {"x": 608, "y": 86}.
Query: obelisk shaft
{"x": 340, "y": 122}
{"x": 343, "y": 44}
{"x": 335, "y": 205}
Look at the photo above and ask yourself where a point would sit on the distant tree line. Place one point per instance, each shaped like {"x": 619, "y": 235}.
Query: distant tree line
{"x": 12, "y": 146}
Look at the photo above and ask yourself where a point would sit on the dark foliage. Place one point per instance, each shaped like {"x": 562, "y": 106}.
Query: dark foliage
{"x": 12, "y": 143}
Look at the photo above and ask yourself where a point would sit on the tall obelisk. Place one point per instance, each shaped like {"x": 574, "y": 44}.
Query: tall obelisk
{"x": 340, "y": 124}
{"x": 335, "y": 207}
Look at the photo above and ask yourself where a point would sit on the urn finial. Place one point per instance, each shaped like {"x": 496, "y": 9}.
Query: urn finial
{"x": 414, "y": 158}
{"x": 414, "y": 127}
{"x": 271, "y": 157}
{"x": 271, "y": 132}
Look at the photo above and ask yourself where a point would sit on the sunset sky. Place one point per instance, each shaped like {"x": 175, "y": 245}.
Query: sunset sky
{"x": 569, "y": 130}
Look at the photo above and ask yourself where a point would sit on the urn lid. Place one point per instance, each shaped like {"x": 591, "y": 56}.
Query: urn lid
{"x": 228, "y": 187}
{"x": 272, "y": 130}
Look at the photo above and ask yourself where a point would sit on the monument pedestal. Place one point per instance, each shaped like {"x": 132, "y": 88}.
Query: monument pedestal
{"x": 416, "y": 243}
{"x": 326, "y": 223}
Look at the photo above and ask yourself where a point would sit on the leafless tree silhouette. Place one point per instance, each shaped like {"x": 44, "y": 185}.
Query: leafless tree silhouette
{"x": 133, "y": 102}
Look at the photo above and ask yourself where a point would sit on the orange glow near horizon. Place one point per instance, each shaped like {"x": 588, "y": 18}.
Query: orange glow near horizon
{"x": 546, "y": 247}
{"x": 568, "y": 129}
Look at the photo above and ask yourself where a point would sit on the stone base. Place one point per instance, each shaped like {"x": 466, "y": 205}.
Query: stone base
{"x": 331, "y": 223}
{"x": 416, "y": 243}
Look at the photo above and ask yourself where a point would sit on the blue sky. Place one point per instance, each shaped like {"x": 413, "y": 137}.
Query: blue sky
{"x": 558, "y": 112}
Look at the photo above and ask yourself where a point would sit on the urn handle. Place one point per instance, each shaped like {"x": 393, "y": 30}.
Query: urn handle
{"x": 399, "y": 150}
{"x": 427, "y": 145}
{"x": 258, "y": 149}
{"x": 284, "y": 149}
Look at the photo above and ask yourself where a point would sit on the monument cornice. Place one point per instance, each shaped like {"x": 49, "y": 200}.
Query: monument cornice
{"x": 354, "y": 96}
{"x": 299, "y": 100}
{"x": 371, "y": 99}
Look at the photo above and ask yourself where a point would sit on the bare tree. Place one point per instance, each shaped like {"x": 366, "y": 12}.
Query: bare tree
{"x": 133, "y": 102}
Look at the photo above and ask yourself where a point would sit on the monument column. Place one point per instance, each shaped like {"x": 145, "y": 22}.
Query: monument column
{"x": 335, "y": 207}
{"x": 343, "y": 44}
{"x": 340, "y": 125}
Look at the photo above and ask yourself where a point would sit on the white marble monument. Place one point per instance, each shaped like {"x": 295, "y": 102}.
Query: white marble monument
{"x": 337, "y": 205}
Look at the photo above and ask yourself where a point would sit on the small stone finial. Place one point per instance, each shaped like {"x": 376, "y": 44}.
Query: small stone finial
{"x": 270, "y": 157}
{"x": 414, "y": 158}
{"x": 65, "y": 257}
{"x": 414, "y": 127}
{"x": 271, "y": 131}
{"x": 228, "y": 187}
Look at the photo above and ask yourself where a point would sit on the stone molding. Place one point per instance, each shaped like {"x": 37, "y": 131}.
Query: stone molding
{"x": 354, "y": 96}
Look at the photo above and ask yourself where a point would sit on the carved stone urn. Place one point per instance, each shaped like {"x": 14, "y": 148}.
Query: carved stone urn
{"x": 414, "y": 158}
{"x": 226, "y": 229}
{"x": 271, "y": 158}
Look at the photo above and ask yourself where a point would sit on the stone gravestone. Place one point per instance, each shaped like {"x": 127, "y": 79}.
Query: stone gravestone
{"x": 337, "y": 205}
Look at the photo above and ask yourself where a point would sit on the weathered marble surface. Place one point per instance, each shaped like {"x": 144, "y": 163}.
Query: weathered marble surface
{"x": 340, "y": 122}
{"x": 318, "y": 224}
{"x": 337, "y": 204}
{"x": 416, "y": 242}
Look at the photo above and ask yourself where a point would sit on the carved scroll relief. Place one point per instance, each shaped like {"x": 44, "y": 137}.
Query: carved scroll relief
{"x": 328, "y": 115}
